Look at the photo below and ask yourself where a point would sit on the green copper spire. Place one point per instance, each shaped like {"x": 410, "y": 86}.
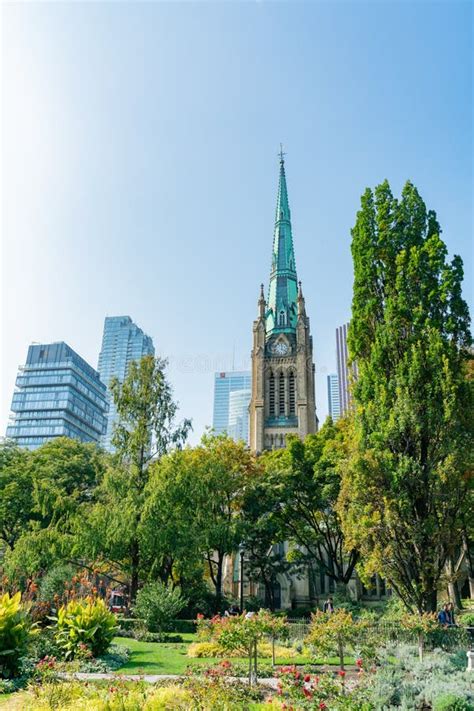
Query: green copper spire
{"x": 282, "y": 311}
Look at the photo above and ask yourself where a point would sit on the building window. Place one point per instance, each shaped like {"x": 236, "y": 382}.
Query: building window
{"x": 281, "y": 395}
{"x": 282, "y": 318}
{"x": 292, "y": 393}
{"x": 271, "y": 394}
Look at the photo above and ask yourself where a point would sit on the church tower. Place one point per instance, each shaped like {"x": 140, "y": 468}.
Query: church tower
{"x": 283, "y": 399}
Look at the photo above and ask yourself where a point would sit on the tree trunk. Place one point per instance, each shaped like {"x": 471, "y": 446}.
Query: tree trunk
{"x": 471, "y": 588}
{"x": 220, "y": 562}
{"x": 429, "y": 601}
{"x": 341, "y": 654}
{"x": 453, "y": 587}
{"x": 134, "y": 568}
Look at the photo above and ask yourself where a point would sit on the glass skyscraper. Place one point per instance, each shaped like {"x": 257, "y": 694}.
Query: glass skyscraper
{"x": 225, "y": 384}
{"x": 238, "y": 427}
{"x": 334, "y": 405}
{"x": 57, "y": 394}
{"x": 122, "y": 342}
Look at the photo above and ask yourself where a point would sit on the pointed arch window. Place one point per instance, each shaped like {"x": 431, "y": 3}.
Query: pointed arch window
{"x": 271, "y": 394}
{"x": 292, "y": 393}
{"x": 282, "y": 318}
{"x": 281, "y": 394}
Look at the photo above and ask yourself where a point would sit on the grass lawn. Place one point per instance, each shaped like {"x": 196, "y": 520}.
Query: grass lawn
{"x": 164, "y": 658}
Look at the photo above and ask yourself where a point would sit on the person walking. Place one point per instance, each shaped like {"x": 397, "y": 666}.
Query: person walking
{"x": 328, "y": 606}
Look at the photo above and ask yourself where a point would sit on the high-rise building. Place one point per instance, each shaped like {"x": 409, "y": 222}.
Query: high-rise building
{"x": 239, "y": 414}
{"x": 122, "y": 342}
{"x": 346, "y": 373}
{"x": 334, "y": 406}
{"x": 225, "y": 384}
{"x": 57, "y": 394}
{"x": 283, "y": 398}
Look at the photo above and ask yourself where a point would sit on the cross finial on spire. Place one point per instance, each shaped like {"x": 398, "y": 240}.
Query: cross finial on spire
{"x": 281, "y": 153}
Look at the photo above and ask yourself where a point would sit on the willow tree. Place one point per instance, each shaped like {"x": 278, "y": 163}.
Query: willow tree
{"x": 405, "y": 495}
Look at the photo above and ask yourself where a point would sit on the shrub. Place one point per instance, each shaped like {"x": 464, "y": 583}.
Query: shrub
{"x": 55, "y": 582}
{"x": 451, "y": 702}
{"x": 84, "y": 624}
{"x": 208, "y": 650}
{"x": 15, "y": 633}
{"x": 157, "y": 604}
{"x": 467, "y": 619}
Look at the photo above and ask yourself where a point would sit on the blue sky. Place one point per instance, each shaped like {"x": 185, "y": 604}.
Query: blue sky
{"x": 139, "y": 165}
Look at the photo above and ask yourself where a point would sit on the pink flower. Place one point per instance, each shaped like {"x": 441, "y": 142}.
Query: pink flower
{"x": 200, "y": 616}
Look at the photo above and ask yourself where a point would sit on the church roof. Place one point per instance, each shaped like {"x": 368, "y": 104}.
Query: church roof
{"x": 282, "y": 308}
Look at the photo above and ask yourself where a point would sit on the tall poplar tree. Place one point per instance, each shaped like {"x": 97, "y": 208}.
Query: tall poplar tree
{"x": 405, "y": 495}
{"x": 146, "y": 430}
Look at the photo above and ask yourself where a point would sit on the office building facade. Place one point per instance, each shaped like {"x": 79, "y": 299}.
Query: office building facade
{"x": 57, "y": 394}
{"x": 226, "y": 383}
{"x": 334, "y": 407}
{"x": 122, "y": 342}
{"x": 346, "y": 373}
{"x": 239, "y": 415}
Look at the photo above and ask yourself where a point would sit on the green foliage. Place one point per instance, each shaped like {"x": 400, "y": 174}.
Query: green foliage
{"x": 158, "y": 604}
{"x": 55, "y": 581}
{"x": 336, "y": 633}
{"x": 451, "y": 702}
{"x": 146, "y": 430}
{"x": 300, "y": 488}
{"x": 406, "y": 488}
{"x": 84, "y": 625}
{"x": 15, "y": 634}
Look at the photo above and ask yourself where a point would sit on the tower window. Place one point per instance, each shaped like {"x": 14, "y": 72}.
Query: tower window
{"x": 282, "y": 318}
{"x": 292, "y": 393}
{"x": 281, "y": 395}
{"x": 271, "y": 394}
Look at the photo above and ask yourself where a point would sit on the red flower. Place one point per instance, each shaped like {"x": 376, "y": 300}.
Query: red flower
{"x": 359, "y": 662}
{"x": 307, "y": 677}
{"x": 200, "y": 616}
{"x": 307, "y": 693}
{"x": 342, "y": 673}
{"x": 322, "y": 705}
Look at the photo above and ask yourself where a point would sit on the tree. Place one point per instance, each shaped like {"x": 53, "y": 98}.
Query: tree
{"x": 146, "y": 431}
{"x": 173, "y": 507}
{"x": 262, "y": 534}
{"x": 42, "y": 494}
{"x": 16, "y": 493}
{"x": 305, "y": 481}
{"x": 335, "y": 633}
{"x": 405, "y": 493}
{"x": 223, "y": 468}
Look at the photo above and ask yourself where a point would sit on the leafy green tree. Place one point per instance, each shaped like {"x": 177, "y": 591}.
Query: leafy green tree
{"x": 262, "y": 536}
{"x": 173, "y": 507}
{"x": 16, "y": 493}
{"x": 223, "y": 468}
{"x": 146, "y": 431}
{"x": 303, "y": 482}
{"x": 406, "y": 492}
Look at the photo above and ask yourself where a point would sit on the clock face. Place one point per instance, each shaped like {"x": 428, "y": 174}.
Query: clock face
{"x": 281, "y": 348}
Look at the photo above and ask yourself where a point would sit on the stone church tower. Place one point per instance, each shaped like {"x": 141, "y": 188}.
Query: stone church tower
{"x": 283, "y": 399}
